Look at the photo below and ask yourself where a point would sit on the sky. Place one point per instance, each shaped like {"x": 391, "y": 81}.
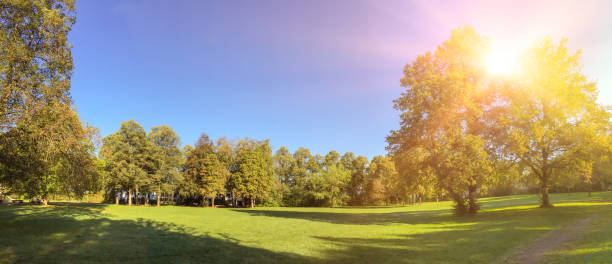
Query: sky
{"x": 318, "y": 74}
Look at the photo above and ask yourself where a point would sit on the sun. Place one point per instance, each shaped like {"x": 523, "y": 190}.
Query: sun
{"x": 502, "y": 61}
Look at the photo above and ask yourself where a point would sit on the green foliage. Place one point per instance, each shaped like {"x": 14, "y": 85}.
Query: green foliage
{"x": 44, "y": 148}
{"x": 462, "y": 130}
{"x": 48, "y": 153}
{"x": 168, "y": 173}
{"x": 35, "y": 57}
{"x": 441, "y": 120}
{"x": 384, "y": 185}
{"x": 132, "y": 161}
{"x": 254, "y": 174}
{"x": 329, "y": 186}
{"x": 206, "y": 175}
{"x": 551, "y": 119}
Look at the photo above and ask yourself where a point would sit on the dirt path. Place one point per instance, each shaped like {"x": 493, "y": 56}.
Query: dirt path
{"x": 540, "y": 247}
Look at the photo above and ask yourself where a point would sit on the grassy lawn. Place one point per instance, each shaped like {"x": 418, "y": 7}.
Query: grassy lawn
{"x": 426, "y": 233}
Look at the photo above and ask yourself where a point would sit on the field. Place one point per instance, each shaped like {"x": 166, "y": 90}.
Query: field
{"x": 508, "y": 229}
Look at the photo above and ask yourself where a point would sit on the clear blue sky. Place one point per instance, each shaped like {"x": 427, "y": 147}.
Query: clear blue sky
{"x": 319, "y": 74}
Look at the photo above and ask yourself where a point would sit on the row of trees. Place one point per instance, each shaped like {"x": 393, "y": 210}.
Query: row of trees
{"x": 304, "y": 179}
{"x": 143, "y": 164}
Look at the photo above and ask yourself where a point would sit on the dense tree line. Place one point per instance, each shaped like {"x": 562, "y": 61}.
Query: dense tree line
{"x": 151, "y": 167}
{"x": 464, "y": 133}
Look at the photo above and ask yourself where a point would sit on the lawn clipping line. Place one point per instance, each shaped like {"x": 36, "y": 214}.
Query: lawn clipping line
{"x": 534, "y": 253}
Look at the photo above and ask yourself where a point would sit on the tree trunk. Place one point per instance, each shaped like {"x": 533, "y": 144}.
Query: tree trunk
{"x": 545, "y": 199}
{"x": 212, "y": 202}
{"x": 130, "y": 197}
{"x": 136, "y": 196}
{"x": 45, "y": 200}
{"x": 460, "y": 208}
{"x": 158, "y": 196}
{"x": 172, "y": 199}
{"x": 252, "y": 202}
{"x": 472, "y": 200}
{"x": 116, "y": 197}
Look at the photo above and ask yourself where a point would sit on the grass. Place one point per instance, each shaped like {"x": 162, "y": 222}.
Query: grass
{"x": 427, "y": 233}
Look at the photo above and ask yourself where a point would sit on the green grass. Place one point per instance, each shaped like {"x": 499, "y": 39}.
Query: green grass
{"x": 426, "y": 233}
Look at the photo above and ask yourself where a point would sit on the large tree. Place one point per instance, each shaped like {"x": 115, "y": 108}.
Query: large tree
{"x": 207, "y": 174}
{"x": 441, "y": 115}
{"x": 330, "y": 185}
{"x": 254, "y": 174}
{"x": 35, "y": 57}
{"x": 48, "y": 153}
{"x": 283, "y": 164}
{"x": 358, "y": 169}
{"x": 168, "y": 172}
{"x": 550, "y": 114}
{"x": 131, "y": 159}
{"x": 383, "y": 184}
{"x": 34, "y": 93}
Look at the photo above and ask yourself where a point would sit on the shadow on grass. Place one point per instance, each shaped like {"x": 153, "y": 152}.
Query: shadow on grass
{"x": 491, "y": 237}
{"x": 424, "y": 216}
{"x": 593, "y": 246}
{"x": 83, "y": 233}
{"x": 66, "y": 233}
{"x": 418, "y": 217}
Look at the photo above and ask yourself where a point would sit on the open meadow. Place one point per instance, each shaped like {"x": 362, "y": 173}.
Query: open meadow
{"x": 508, "y": 229}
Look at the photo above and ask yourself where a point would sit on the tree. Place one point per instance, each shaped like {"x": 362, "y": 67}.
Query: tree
{"x": 254, "y": 174}
{"x": 602, "y": 172}
{"x": 442, "y": 110}
{"x": 383, "y": 180}
{"x": 190, "y": 187}
{"x": 300, "y": 188}
{"x": 130, "y": 158}
{"x": 35, "y": 57}
{"x": 331, "y": 184}
{"x": 226, "y": 153}
{"x": 550, "y": 114}
{"x": 168, "y": 171}
{"x": 331, "y": 159}
{"x": 283, "y": 164}
{"x": 48, "y": 153}
{"x": 35, "y": 100}
{"x": 207, "y": 172}
{"x": 358, "y": 169}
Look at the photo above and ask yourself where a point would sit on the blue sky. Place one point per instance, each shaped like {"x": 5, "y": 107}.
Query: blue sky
{"x": 319, "y": 74}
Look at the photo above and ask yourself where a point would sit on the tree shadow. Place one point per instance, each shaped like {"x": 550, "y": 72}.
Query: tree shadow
{"x": 83, "y": 234}
{"x": 413, "y": 217}
{"x": 490, "y": 238}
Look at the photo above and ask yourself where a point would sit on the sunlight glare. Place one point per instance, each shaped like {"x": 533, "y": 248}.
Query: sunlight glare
{"x": 502, "y": 61}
